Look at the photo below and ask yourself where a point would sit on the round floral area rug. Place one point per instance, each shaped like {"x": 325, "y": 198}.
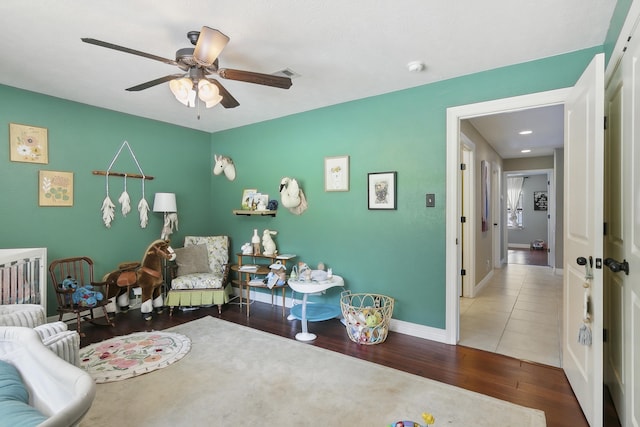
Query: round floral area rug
{"x": 131, "y": 355}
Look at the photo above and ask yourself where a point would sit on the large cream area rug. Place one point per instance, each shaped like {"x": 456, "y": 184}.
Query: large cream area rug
{"x": 237, "y": 376}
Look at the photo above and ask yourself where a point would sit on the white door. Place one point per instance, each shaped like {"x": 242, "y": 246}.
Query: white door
{"x": 583, "y": 213}
{"x": 631, "y": 226}
{"x": 614, "y": 370}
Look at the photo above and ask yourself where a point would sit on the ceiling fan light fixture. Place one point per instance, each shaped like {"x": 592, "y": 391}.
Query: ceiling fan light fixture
{"x": 210, "y": 44}
{"x": 182, "y": 89}
{"x": 208, "y": 93}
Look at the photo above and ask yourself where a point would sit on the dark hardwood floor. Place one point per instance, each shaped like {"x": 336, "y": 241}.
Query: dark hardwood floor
{"x": 528, "y": 384}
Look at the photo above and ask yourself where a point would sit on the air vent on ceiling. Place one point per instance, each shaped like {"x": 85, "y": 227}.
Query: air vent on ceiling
{"x": 287, "y": 72}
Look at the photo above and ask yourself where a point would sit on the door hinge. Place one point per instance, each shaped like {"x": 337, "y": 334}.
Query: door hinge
{"x": 604, "y": 229}
{"x": 463, "y": 272}
{"x": 463, "y": 167}
{"x": 463, "y": 219}
{"x": 605, "y": 122}
{"x": 605, "y": 335}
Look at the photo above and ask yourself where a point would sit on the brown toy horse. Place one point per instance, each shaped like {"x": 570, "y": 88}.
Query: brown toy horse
{"x": 146, "y": 275}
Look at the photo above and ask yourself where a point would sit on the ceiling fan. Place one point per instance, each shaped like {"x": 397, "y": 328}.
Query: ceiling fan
{"x": 197, "y": 64}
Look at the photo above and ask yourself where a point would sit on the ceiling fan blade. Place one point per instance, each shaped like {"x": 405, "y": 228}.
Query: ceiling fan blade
{"x": 127, "y": 50}
{"x": 210, "y": 44}
{"x": 257, "y": 78}
{"x": 228, "y": 101}
{"x": 155, "y": 82}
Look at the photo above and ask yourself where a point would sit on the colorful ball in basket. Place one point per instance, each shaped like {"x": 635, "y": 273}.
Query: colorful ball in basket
{"x": 367, "y": 316}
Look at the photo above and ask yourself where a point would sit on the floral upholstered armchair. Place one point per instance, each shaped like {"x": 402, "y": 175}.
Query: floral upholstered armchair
{"x": 202, "y": 273}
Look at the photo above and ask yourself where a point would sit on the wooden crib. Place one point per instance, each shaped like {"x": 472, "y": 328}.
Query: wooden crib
{"x": 23, "y": 276}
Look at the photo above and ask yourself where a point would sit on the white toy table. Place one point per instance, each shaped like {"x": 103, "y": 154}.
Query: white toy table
{"x": 314, "y": 312}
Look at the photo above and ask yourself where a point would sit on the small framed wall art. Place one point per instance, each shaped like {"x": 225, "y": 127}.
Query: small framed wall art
{"x": 336, "y": 173}
{"x": 382, "y": 190}
{"x": 248, "y": 195}
{"x": 28, "y": 144}
{"x": 55, "y": 188}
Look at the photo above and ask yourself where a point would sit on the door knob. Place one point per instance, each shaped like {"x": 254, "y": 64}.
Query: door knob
{"x": 617, "y": 266}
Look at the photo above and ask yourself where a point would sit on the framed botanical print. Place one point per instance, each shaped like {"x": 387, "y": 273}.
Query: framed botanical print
{"x": 55, "y": 188}
{"x": 28, "y": 144}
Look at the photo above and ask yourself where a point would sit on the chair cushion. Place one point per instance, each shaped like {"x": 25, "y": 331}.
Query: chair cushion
{"x": 198, "y": 281}
{"x": 192, "y": 259}
{"x": 14, "y": 399}
{"x": 217, "y": 250}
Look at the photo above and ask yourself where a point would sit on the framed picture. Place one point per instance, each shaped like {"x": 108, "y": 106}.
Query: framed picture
{"x": 382, "y": 190}
{"x": 55, "y": 188}
{"x": 262, "y": 201}
{"x": 28, "y": 144}
{"x": 539, "y": 200}
{"x": 336, "y": 173}
{"x": 247, "y": 198}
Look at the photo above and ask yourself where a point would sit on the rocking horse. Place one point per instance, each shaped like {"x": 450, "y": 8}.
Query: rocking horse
{"x": 224, "y": 164}
{"x": 146, "y": 275}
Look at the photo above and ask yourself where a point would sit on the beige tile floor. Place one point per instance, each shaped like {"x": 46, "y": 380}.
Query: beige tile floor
{"x": 517, "y": 314}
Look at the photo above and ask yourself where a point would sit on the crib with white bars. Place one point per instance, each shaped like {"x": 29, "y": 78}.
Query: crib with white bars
{"x": 23, "y": 276}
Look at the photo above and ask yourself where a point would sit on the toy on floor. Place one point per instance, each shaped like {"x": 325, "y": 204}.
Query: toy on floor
{"x": 428, "y": 420}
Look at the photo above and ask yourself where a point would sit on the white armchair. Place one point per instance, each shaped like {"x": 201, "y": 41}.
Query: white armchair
{"x": 202, "y": 274}
{"x": 56, "y": 336}
{"x": 58, "y": 391}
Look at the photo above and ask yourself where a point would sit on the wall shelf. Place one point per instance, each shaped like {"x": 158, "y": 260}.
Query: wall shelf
{"x": 246, "y": 212}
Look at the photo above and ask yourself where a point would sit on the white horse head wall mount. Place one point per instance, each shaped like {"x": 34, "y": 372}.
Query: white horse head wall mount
{"x": 224, "y": 164}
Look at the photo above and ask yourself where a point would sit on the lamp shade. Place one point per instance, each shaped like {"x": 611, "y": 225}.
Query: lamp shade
{"x": 208, "y": 93}
{"x": 182, "y": 89}
{"x": 165, "y": 202}
{"x": 210, "y": 44}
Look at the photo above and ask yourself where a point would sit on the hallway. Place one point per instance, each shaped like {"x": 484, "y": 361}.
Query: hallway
{"x": 517, "y": 314}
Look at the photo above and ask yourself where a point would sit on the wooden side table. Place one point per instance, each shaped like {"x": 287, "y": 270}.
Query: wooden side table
{"x": 246, "y": 282}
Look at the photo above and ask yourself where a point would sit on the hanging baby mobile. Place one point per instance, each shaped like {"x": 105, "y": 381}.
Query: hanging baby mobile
{"x": 292, "y": 196}
{"x": 224, "y": 164}
{"x": 108, "y": 207}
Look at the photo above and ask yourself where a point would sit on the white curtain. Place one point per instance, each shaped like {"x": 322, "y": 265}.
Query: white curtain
{"x": 514, "y": 190}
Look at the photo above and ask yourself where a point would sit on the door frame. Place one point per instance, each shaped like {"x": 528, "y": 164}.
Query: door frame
{"x": 453, "y": 250}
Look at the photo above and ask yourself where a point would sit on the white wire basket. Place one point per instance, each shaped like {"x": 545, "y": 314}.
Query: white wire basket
{"x": 367, "y": 316}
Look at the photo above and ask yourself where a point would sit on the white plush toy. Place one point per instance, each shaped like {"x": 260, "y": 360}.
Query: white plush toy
{"x": 269, "y": 246}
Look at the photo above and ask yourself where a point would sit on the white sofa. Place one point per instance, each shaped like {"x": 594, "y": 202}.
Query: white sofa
{"x": 63, "y": 393}
{"x": 55, "y": 335}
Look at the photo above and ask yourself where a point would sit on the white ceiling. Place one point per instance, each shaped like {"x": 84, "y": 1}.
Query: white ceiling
{"x": 342, "y": 50}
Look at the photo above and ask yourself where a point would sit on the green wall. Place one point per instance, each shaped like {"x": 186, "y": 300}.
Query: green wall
{"x": 83, "y": 139}
{"x": 398, "y": 253}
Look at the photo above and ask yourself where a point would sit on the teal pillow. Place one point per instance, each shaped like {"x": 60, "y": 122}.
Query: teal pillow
{"x": 14, "y": 400}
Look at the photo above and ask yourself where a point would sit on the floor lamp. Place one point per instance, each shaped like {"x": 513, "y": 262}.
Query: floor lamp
{"x": 166, "y": 203}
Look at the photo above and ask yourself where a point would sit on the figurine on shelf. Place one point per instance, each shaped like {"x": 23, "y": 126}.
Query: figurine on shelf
{"x": 247, "y": 249}
{"x": 267, "y": 242}
{"x": 255, "y": 241}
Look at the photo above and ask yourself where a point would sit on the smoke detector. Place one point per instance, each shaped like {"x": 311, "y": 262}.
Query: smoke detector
{"x": 416, "y": 66}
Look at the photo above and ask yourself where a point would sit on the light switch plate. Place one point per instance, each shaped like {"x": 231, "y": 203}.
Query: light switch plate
{"x": 431, "y": 200}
